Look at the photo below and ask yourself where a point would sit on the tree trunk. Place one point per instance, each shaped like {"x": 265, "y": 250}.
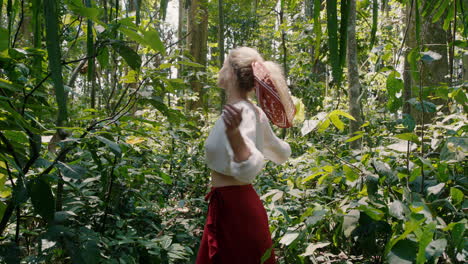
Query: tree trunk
{"x": 283, "y": 39}
{"x": 353, "y": 75}
{"x": 465, "y": 67}
{"x": 221, "y": 46}
{"x": 434, "y": 38}
{"x": 196, "y": 43}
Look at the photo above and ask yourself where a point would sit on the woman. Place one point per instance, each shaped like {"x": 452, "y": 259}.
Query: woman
{"x": 236, "y": 229}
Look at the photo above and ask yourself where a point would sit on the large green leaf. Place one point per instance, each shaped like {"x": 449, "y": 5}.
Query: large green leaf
{"x": 398, "y": 210}
{"x": 129, "y": 55}
{"x": 114, "y": 147}
{"x": 458, "y": 234}
{"x": 425, "y": 106}
{"x": 153, "y": 40}
{"x": 436, "y": 248}
{"x": 78, "y": 8}
{"x": 424, "y": 240}
{"x": 440, "y": 10}
{"x": 457, "y": 195}
{"x": 350, "y": 222}
{"x": 454, "y": 149}
{"x": 42, "y": 198}
{"x": 404, "y": 252}
{"x": 71, "y": 171}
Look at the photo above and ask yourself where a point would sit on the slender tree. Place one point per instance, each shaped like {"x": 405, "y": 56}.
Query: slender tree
{"x": 353, "y": 74}
{"x": 196, "y": 43}
{"x": 221, "y": 44}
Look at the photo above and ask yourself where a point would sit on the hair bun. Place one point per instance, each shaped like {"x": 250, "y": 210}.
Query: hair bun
{"x": 246, "y": 78}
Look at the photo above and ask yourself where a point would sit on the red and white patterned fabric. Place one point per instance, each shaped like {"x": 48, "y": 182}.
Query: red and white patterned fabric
{"x": 280, "y": 113}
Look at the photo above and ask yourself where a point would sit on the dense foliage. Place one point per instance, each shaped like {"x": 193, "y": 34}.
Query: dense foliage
{"x": 103, "y": 121}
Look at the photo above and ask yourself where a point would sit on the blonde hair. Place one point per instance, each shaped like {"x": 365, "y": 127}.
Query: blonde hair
{"x": 240, "y": 61}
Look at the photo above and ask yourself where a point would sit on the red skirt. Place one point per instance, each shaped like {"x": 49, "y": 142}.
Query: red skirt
{"x": 236, "y": 229}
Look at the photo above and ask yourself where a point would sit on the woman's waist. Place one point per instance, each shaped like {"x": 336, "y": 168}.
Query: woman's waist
{"x": 220, "y": 180}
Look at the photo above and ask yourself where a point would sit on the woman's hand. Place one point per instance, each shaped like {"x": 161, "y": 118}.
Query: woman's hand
{"x": 232, "y": 118}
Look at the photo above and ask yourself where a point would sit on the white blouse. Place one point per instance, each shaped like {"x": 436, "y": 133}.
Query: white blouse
{"x": 259, "y": 137}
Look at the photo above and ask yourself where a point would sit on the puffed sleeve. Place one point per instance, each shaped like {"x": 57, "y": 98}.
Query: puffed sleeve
{"x": 274, "y": 148}
{"x": 246, "y": 170}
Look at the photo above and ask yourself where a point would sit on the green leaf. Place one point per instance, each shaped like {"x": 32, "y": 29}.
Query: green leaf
{"x": 426, "y": 106}
{"x": 288, "y": 238}
{"x": 311, "y": 177}
{"x": 266, "y": 255}
{"x": 154, "y": 41}
{"x": 337, "y": 122}
{"x": 372, "y": 212}
{"x": 397, "y": 209}
{"x": 314, "y": 246}
{"x": 103, "y": 57}
{"x": 342, "y": 113}
{"x": 350, "y": 174}
{"x": 115, "y": 148}
{"x": 354, "y": 138}
{"x": 350, "y": 222}
{"x": 394, "y": 84}
{"x": 71, "y": 171}
{"x": 323, "y": 125}
{"x": 77, "y": 7}
{"x": 129, "y": 55}
{"x": 166, "y": 178}
{"x": 5, "y": 84}
{"x": 408, "y": 122}
{"x": 300, "y": 110}
{"x": 440, "y": 11}
{"x": 409, "y": 137}
{"x": 316, "y": 217}
{"x": 191, "y": 64}
{"x": 436, "y": 189}
{"x": 414, "y": 223}
{"x": 436, "y": 248}
{"x": 308, "y": 126}
{"x": 372, "y": 184}
{"x": 458, "y": 235}
{"x": 424, "y": 240}
{"x": 457, "y": 195}
{"x": 404, "y": 252}
{"x": 454, "y": 149}
{"x": 41, "y": 197}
